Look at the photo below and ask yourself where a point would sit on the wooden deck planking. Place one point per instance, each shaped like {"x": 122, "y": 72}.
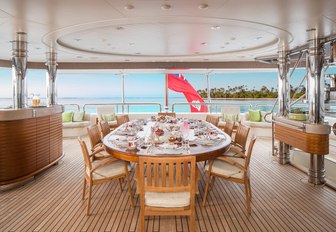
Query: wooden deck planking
{"x": 280, "y": 202}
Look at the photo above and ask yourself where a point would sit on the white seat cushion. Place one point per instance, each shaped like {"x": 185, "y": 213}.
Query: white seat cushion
{"x": 109, "y": 170}
{"x": 76, "y": 124}
{"x": 225, "y": 169}
{"x": 112, "y": 123}
{"x": 167, "y": 200}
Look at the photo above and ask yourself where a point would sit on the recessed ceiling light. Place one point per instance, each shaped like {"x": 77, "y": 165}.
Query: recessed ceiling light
{"x": 38, "y": 48}
{"x": 243, "y": 46}
{"x": 215, "y": 27}
{"x": 78, "y": 40}
{"x": 205, "y": 59}
{"x": 204, "y": 43}
{"x": 311, "y": 29}
{"x": 92, "y": 48}
{"x": 79, "y": 57}
{"x": 127, "y": 60}
{"x": 131, "y": 44}
{"x": 227, "y": 43}
{"x": 232, "y": 38}
{"x": 120, "y": 28}
{"x": 108, "y": 44}
{"x": 222, "y": 47}
{"x": 129, "y": 7}
{"x": 196, "y": 53}
{"x": 259, "y": 37}
{"x": 138, "y": 53}
{"x": 203, "y": 6}
{"x": 165, "y": 6}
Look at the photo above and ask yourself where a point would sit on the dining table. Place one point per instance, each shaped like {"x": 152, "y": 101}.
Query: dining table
{"x": 166, "y": 136}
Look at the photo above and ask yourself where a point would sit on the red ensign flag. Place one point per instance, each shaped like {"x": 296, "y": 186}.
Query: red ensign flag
{"x": 178, "y": 83}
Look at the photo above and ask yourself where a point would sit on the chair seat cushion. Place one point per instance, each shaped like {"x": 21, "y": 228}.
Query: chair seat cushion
{"x": 76, "y": 124}
{"x": 167, "y": 200}
{"x": 109, "y": 170}
{"x": 225, "y": 169}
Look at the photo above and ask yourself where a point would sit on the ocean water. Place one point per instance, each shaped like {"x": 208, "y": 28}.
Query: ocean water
{"x": 151, "y": 104}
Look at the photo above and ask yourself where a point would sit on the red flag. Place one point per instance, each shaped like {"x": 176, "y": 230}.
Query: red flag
{"x": 178, "y": 83}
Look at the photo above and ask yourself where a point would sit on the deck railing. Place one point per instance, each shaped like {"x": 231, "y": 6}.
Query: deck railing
{"x": 214, "y": 107}
{"x": 125, "y": 107}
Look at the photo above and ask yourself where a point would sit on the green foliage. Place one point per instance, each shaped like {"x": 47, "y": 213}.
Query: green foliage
{"x": 243, "y": 92}
{"x": 298, "y": 111}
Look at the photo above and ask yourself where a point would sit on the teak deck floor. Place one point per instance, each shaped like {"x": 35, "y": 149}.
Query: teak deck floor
{"x": 282, "y": 200}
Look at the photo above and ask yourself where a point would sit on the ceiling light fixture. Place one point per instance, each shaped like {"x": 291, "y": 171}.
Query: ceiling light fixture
{"x": 203, "y": 6}
{"x": 165, "y": 7}
{"x": 131, "y": 44}
{"x": 204, "y": 43}
{"x": 215, "y": 27}
{"x": 120, "y": 28}
{"x": 129, "y": 7}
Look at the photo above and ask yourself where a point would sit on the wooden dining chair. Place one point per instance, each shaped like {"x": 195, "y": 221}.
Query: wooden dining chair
{"x": 97, "y": 146}
{"x": 169, "y": 114}
{"x": 121, "y": 119}
{"x": 101, "y": 171}
{"x": 228, "y": 128}
{"x": 212, "y": 119}
{"x": 167, "y": 187}
{"x": 104, "y": 128}
{"x": 239, "y": 142}
{"x": 231, "y": 169}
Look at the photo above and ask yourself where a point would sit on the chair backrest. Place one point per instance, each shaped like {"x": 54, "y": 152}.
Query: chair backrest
{"x": 241, "y": 136}
{"x": 249, "y": 152}
{"x": 85, "y": 153}
{"x": 121, "y": 119}
{"x": 170, "y": 114}
{"x": 94, "y": 136}
{"x": 231, "y": 110}
{"x": 167, "y": 174}
{"x": 212, "y": 119}
{"x": 228, "y": 128}
{"x": 104, "y": 128}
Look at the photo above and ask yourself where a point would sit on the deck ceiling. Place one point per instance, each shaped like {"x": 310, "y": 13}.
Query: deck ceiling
{"x": 162, "y": 30}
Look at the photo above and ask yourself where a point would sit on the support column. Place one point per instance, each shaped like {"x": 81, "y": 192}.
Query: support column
{"x": 316, "y": 105}
{"x": 51, "y": 78}
{"x": 208, "y": 91}
{"x": 284, "y": 100}
{"x": 19, "y": 67}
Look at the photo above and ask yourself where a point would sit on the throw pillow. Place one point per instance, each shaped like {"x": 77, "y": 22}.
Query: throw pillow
{"x": 108, "y": 117}
{"x": 78, "y": 116}
{"x": 232, "y": 117}
{"x": 67, "y": 116}
{"x": 255, "y": 115}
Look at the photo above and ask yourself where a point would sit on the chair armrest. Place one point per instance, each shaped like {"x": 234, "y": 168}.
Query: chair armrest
{"x": 230, "y": 161}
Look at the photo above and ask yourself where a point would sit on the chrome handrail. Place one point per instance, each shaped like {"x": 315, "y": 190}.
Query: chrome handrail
{"x": 123, "y": 105}
{"x": 72, "y": 104}
{"x": 218, "y": 105}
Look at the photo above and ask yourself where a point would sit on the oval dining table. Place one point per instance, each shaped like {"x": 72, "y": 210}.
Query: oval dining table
{"x": 202, "y": 151}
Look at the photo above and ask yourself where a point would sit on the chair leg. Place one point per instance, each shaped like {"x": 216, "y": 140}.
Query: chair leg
{"x": 247, "y": 197}
{"x": 206, "y": 188}
{"x": 129, "y": 190}
{"x": 212, "y": 182}
{"x": 250, "y": 191}
{"x": 84, "y": 188}
{"x": 120, "y": 184}
{"x": 89, "y": 199}
{"x": 142, "y": 220}
{"x": 192, "y": 221}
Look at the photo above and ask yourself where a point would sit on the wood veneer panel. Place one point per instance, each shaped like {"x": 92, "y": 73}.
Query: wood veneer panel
{"x": 311, "y": 143}
{"x": 42, "y": 142}
{"x": 17, "y": 148}
{"x": 55, "y": 136}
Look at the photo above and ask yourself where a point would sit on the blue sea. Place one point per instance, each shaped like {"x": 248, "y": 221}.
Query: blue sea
{"x": 151, "y": 104}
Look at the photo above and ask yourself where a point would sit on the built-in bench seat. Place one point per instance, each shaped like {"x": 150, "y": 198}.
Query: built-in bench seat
{"x": 75, "y": 129}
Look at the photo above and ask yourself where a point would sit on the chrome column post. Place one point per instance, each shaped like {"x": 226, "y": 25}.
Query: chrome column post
{"x": 51, "y": 78}
{"x": 283, "y": 98}
{"x": 208, "y": 91}
{"x": 166, "y": 94}
{"x": 19, "y": 67}
{"x": 123, "y": 92}
{"x": 316, "y": 174}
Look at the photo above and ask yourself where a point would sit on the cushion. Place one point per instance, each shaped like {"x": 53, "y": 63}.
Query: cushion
{"x": 167, "y": 200}
{"x": 108, "y": 117}
{"x": 225, "y": 169}
{"x": 78, "y": 116}
{"x": 67, "y": 116}
{"x": 232, "y": 117}
{"x": 109, "y": 170}
{"x": 255, "y": 115}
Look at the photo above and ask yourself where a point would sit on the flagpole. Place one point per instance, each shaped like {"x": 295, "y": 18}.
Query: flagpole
{"x": 208, "y": 90}
{"x": 123, "y": 92}
{"x": 166, "y": 93}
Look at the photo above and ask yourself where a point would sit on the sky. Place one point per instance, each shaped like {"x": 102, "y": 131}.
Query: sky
{"x": 146, "y": 85}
